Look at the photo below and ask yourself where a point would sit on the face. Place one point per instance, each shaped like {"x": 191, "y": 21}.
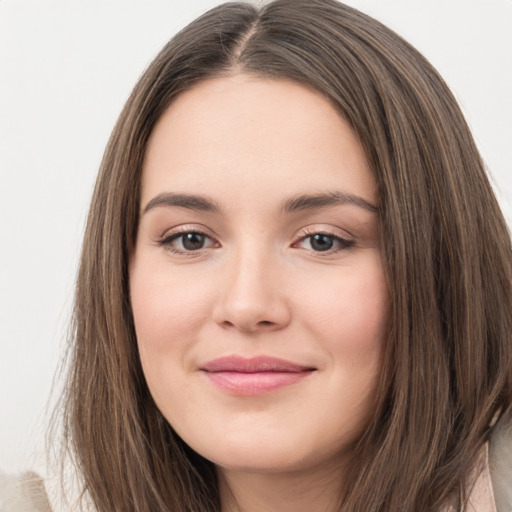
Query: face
{"x": 257, "y": 286}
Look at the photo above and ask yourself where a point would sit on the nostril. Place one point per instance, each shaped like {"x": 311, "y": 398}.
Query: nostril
{"x": 263, "y": 324}
{"x": 250, "y": 313}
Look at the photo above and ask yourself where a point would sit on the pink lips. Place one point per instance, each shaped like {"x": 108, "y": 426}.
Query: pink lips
{"x": 258, "y": 375}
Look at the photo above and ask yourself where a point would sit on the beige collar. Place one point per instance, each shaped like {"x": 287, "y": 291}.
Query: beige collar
{"x": 481, "y": 497}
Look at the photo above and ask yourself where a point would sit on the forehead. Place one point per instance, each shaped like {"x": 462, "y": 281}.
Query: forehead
{"x": 253, "y": 134}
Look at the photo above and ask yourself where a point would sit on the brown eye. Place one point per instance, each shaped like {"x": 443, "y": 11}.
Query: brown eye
{"x": 324, "y": 242}
{"x": 193, "y": 241}
{"x": 321, "y": 242}
{"x": 189, "y": 241}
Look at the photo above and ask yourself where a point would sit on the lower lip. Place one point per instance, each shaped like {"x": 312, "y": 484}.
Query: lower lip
{"x": 257, "y": 383}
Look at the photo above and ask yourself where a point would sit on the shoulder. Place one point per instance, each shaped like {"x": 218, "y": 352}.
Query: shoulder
{"x": 500, "y": 463}
{"x": 23, "y": 493}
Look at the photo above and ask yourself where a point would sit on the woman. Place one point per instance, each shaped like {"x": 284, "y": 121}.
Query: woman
{"x": 295, "y": 284}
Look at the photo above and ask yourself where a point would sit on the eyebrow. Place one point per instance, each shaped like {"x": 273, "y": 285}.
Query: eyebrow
{"x": 311, "y": 201}
{"x": 296, "y": 203}
{"x": 189, "y": 201}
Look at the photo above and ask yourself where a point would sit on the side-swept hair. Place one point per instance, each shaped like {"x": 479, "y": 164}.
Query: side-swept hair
{"x": 446, "y": 250}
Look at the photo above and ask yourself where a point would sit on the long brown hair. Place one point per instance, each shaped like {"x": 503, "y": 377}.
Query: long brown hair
{"x": 446, "y": 248}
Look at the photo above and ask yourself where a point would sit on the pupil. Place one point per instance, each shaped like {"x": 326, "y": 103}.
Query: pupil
{"x": 321, "y": 242}
{"x": 193, "y": 241}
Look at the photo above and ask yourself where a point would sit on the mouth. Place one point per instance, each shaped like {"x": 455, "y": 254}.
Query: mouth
{"x": 255, "y": 376}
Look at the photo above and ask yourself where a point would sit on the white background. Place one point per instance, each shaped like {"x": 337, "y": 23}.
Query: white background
{"x": 66, "y": 68}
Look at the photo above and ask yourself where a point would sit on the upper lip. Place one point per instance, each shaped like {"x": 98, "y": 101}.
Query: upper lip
{"x": 258, "y": 364}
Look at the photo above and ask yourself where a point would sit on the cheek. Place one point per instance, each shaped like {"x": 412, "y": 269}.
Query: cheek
{"x": 366, "y": 313}
{"x": 360, "y": 319}
{"x": 167, "y": 309}
{"x": 352, "y": 313}
{"x": 169, "y": 314}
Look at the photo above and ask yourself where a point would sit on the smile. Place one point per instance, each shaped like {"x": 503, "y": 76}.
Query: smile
{"x": 250, "y": 377}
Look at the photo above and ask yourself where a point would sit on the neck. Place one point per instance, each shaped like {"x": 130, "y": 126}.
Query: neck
{"x": 301, "y": 491}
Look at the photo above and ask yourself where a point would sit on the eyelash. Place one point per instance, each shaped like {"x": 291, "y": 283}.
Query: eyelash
{"x": 168, "y": 239}
{"x": 343, "y": 244}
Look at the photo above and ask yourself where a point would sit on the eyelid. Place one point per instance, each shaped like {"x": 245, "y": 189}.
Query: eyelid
{"x": 186, "y": 228}
{"x": 345, "y": 238}
{"x": 325, "y": 229}
{"x": 169, "y": 235}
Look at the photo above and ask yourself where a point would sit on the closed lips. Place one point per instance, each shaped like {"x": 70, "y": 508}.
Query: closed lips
{"x": 262, "y": 364}
{"x": 239, "y": 376}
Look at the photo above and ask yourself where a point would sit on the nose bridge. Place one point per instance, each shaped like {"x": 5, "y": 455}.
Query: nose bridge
{"x": 251, "y": 298}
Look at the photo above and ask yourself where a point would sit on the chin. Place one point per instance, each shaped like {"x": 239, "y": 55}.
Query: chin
{"x": 269, "y": 454}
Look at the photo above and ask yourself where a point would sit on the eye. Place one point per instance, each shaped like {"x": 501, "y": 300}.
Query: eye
{"x": 188, "y": 241}
{"x": 320, "y": 242}
{"x": 324, "y": 242}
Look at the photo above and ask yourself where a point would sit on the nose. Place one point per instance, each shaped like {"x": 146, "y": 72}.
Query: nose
{"x": 252, "y": 297}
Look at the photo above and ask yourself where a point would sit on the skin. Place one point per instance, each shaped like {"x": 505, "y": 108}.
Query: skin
{"x": 257, "y": 284}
